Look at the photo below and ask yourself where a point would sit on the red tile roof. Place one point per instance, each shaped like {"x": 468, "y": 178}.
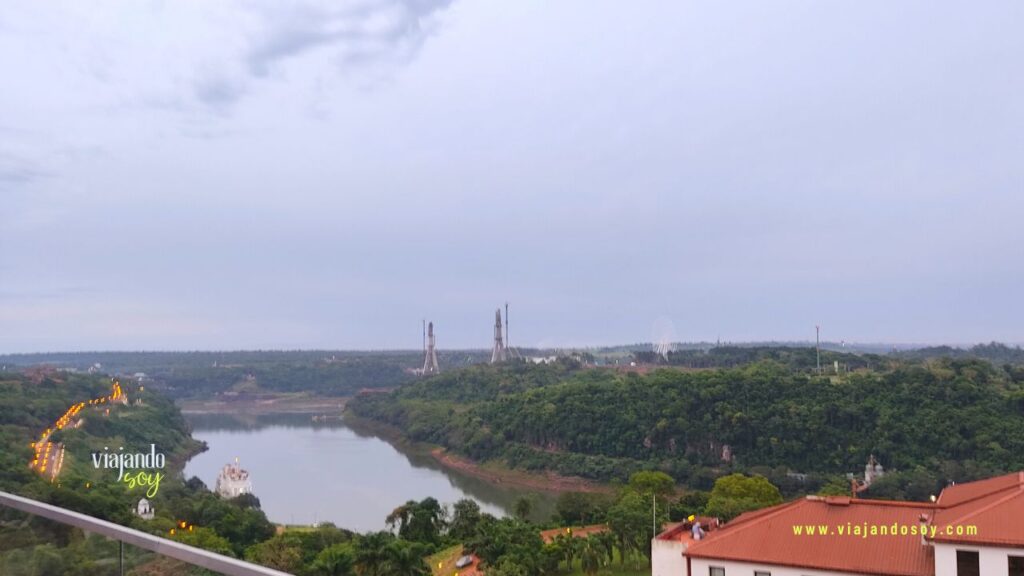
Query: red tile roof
{"x": 767, "y": 537}
{"x": 958, "y": 494}
{"x": 994, "y": 506}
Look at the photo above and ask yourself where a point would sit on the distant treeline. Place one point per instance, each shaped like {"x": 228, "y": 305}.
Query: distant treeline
{"x": 952, "y": 419}
{"x": 798, "y": 359}
{"x": 993, "y": 352}
{"x": 203, "y": 374}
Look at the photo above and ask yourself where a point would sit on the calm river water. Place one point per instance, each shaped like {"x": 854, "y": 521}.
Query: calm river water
{"x": 305, "y": 472}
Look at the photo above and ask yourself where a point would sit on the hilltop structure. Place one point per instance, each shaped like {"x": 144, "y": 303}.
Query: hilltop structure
{"x": 233, "y": 481}
{"x": 430, "y": 365}
{"x": 499, "y": 353}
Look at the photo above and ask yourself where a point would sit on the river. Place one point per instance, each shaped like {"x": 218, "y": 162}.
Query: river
{"x": 305, "y": 472}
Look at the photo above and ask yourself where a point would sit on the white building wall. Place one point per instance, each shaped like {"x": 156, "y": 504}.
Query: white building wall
{"x": 701, "y": 567}
{"x": 667, "y": 558}
{"x": 992, "y": 561}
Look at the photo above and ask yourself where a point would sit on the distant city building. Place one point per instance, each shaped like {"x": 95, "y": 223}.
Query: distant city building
{"x": 144, "y": 510}
{"x": 971, "y": 529}
{"x": 233, "y": 481}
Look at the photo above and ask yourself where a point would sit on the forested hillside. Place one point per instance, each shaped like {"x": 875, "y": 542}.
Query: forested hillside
{"x": 29, "y": 405}
{"x": 946, "y": 419}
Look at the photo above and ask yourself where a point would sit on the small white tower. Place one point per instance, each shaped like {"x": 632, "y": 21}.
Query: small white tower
{"x": 144, "y": 510}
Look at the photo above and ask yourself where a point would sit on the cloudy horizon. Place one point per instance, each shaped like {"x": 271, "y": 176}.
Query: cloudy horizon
{"x": 247, "y": 175}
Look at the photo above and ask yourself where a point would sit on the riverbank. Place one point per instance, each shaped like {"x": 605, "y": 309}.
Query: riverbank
{"x": 498, "y": 473}
{"x": 300, "y": 403}
{"x": 492, "y": 472}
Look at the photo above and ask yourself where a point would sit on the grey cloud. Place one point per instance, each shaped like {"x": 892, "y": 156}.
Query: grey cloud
{"x": 357, "y": 33}
{"x": 15, "y": 170}
{"x": 218, "y": 91}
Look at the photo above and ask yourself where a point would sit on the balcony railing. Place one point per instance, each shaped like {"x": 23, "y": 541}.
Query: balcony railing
{"x": 126, "y": 536}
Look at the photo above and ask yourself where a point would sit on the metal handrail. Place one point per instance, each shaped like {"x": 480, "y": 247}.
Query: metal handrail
{"x": 178, "y": 551}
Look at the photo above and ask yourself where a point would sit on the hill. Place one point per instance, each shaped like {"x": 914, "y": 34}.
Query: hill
{"x": 953, "y": 419}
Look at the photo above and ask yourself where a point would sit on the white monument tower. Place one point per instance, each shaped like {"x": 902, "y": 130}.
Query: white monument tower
{"x": 498, "y": 354}
{"x": 430, "y": 356}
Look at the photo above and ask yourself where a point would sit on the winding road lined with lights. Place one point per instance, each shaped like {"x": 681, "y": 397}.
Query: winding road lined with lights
{"x": 49, "y": 455}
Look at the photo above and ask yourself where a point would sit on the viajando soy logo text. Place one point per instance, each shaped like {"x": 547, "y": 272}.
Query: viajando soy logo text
{"x": 136, "y": 470}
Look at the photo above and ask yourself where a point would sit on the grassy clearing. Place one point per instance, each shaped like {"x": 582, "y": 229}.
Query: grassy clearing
{"x": 443, "y": 562}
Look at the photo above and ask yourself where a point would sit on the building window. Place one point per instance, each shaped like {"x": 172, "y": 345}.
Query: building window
{"x": 1016, "y": 565}
{"x": 716, "y": 571}
{"x": 762, "y": 573}
{"x": 967, "y": 563}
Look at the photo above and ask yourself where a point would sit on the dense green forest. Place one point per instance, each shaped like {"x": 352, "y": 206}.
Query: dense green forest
{"x": 929, "y": 422}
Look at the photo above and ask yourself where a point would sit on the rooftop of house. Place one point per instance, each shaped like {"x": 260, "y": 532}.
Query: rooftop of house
{"x": 994, "y": 506}
{"x": 683, "y": 531}
{"x": 778, "y": 535}
{"x": 770, "y": 536}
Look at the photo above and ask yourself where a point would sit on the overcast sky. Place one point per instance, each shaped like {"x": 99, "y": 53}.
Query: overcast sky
{"x": 250, "y": 174}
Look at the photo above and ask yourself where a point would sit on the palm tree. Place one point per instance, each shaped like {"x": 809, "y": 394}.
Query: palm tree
{"x": 568, "y": 547}
{"x": 403, "y": 558}
{"x": 372, "y": 554}
{"x": 336, "y": 560}
{"x": 590, "y": 555}
{"x": 607, "y": 543}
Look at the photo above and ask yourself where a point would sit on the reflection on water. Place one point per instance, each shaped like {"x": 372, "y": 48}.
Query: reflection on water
{"x": 305, "y": 472}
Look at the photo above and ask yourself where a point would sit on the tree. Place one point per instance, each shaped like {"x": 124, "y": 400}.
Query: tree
{"x": 572, "y": 507}
{"x": 578, "y": 508}
{"x": 693, "y": 502}
{"x": 419, "y": 521}
{"x": 835, "y": 487}
{"x": 47, "y": 559}
{"x": 917, "y": 484}
{"x": 737, "y": 493}
{"x": 282, "y": 552}
{"x": 371, "y": 554}
{"x": 405, "y": 558}
{"x": 507, "y": 539}
{"x": 465, "y": 517}
{"x": 507, "y": 567}
{"x": 205, "y": 538}
{"x": 631, "y": 521}
{"x": 591, "y": 553}
{"x": 523, "y": 507}
{"x": 336, "y": 560}
{"x": 606, "y": 541}
{"x": 564, "y": 545}
{"x": 650, "y": 482}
